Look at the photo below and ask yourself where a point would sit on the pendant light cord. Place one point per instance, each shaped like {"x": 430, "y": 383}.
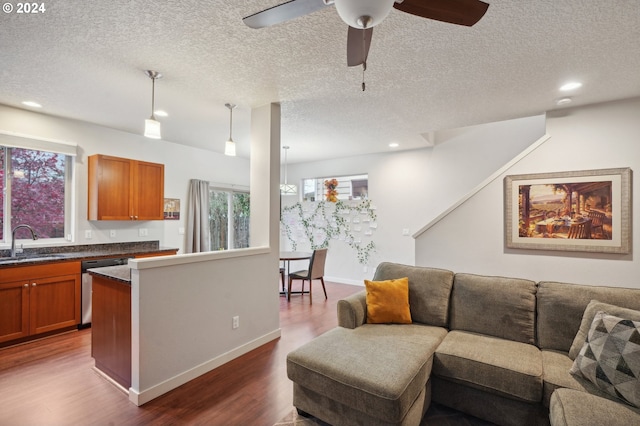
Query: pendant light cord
{"x": 230, "y": 122}
{"x": 153, "y": 97}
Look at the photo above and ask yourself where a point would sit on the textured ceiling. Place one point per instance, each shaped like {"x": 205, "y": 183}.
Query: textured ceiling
{"x": 85, "y": 60}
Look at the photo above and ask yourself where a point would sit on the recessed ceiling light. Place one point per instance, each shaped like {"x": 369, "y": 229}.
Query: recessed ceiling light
{"x": 394, "y": 145}
{"x": 32, "y": 104}
{"x": 563, "y": 101}
{"x": 161, "y": 113}
{"x": 570, "y": 86}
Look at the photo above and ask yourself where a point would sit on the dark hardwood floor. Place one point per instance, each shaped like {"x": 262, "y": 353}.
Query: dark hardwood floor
{"x": 51, "y": 381}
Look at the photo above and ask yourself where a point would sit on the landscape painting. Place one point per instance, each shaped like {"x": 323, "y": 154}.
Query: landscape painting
{"x": 570, "y": 211}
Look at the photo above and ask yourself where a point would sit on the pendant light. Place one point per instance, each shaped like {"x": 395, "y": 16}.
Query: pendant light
{"x": 230, "y": 145}
{"x": 285, "y": 188}
{"x": 151, "y": 125}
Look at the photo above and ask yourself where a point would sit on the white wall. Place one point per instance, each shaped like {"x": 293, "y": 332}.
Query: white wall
{"x": 409, "y": 188}
{"x": 182, "y": 163}
{"x": 183, "y": 306}
{"x": 471, "y": 238}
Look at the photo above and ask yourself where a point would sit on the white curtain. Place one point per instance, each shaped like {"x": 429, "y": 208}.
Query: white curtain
{"x": 198, "y": 239}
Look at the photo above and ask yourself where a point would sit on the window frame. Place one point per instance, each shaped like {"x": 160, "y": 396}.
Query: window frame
{"x": 319, "y": 189}
{"x": 69, "y": 193}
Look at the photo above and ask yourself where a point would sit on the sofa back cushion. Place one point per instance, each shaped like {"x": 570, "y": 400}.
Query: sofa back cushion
{"x": 429, "y": 290}
{"x": 561, "y": 306}
{"x": 495, "y": 306}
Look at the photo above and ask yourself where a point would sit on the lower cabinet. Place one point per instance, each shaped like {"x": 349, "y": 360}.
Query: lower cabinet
{"x": 39, "y": 299}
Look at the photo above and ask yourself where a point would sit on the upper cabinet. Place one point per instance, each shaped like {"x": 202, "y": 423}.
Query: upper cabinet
{"x": 124, "y": 189}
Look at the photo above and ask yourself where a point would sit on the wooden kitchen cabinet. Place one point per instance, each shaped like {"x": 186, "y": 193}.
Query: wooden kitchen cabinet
{"x": 125, "y": 189}
{"x": 111, "y": 329}
{"x": 39, "y": 299}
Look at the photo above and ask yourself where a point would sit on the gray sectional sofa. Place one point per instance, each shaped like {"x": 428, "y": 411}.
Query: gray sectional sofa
{"x": 496, "y": 348}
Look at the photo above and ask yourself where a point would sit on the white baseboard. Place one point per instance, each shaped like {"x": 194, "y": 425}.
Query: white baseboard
{"x": 155, "y": 391}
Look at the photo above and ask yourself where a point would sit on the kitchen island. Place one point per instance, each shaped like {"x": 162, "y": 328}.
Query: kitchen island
{"x": 111, "y": 324}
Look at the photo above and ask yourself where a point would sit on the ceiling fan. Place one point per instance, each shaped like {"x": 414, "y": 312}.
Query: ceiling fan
{"x": 363, "y": 15}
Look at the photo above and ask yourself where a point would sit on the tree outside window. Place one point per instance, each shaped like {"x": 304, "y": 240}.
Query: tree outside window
{"x": 228, "y": 219}
{"x": 33, "y": 187}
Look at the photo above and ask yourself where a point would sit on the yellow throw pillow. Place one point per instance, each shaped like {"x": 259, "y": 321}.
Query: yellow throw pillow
{"x": 388, "y": 301}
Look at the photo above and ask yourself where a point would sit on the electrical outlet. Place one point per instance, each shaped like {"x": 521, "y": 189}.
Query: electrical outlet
{"x": 87, "y": 234}
{"x": 235, "y": 322}
{"x": 112, "y": 233}
{"x": 181, "y": 231}
{"x": 143, "y": 232}
{"x": 405, "y": 231}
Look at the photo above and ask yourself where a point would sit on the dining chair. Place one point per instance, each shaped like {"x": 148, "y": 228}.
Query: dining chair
{"x": 282, "y": 277}
{"x": 315, "y": 272}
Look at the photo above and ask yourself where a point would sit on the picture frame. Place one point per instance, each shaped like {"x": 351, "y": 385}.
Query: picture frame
{"x": 583, "y": 211}
{"x": 171, "y": 209}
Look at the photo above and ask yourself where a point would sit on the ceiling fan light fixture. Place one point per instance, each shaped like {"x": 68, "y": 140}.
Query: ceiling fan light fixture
{"x": 363, "y": 13}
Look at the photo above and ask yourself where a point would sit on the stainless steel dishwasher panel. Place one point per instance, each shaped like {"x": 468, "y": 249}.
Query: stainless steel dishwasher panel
{"x": 85, "y": 315}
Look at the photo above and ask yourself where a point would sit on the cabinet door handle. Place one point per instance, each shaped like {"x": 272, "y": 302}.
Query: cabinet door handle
{"x": 135, "y": 217}
{"x": 26, "y": 285}
{"x": 33, "y": 284}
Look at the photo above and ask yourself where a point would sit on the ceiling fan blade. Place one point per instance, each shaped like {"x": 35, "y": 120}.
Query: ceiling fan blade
{"x": 461, "y": 12}
{"x": 358, "y": 43}
{"x": 283, "y": 12}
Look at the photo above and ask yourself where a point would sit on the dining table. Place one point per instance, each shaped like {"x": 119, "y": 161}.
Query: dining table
{"x": 287, "y": 257}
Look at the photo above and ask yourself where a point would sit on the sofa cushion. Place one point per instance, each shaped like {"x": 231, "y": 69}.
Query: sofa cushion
{"x": 556, "y": 366}
{"x": 378, "y": 369}
{"x": 610, "y": 357}
{"x": 561, "y": 307}
{"x": 495, "y": 306}
{"x": 575, "y": 408}
{"x": 587, "y": 319}
{"x": 429, "y": 290}
{"x": 495, "y": 365}
{"x": 388, "y": 301}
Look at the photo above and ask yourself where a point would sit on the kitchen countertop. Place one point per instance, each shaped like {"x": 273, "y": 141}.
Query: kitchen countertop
{"x": 41, "y": 255}
{"x": 121, "y": 273}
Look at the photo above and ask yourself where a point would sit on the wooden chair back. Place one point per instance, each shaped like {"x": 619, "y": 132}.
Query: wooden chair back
{"x": 580, "y": 230}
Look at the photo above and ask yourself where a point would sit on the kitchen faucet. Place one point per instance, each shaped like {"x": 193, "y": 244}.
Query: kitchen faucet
{"x": 13, "y": 237}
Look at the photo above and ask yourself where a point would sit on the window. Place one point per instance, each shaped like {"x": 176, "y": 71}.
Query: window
{"x": 228, "y": 219}
{"x": 355, "y": 187}
{"x": 35, "y": 191}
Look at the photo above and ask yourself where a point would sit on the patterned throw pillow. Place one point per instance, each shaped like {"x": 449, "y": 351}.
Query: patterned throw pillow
{"x": 610, "y": 357}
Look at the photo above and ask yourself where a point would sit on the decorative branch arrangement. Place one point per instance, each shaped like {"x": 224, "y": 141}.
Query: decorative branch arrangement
{"x": 319, "y": 222}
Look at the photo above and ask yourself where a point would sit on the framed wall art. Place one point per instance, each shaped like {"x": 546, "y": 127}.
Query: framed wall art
{"x": 171, "y": 209}
{"x": 587, "y": 210}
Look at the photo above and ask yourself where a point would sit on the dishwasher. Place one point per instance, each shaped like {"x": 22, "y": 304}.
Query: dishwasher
{"x": 85, "y": 319}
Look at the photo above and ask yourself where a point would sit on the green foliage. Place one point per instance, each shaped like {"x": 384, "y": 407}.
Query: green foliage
{"x": 325, "y": 222}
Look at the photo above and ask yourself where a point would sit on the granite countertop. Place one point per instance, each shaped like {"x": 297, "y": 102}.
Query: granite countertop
{"x": 32, "y": 256}
{"x": 121, "y": 273}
